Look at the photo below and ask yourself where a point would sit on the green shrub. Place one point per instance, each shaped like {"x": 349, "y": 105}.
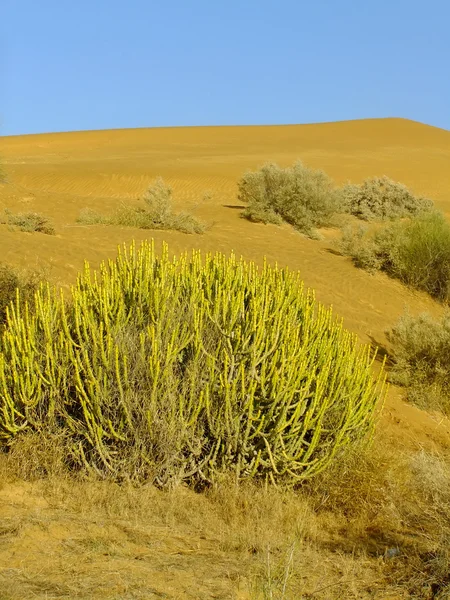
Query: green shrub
{"x": 418, "y": 253}
{"x": 415, "y": 251}
{"x": 90, "y": 217}
{"x": 359, "y": 243}
{"x": 157, "y": 214}
{"x": 421, "y": 349}
{"x": 382, "y": 198}
{"x": 301, "y": 196}
{"x": 166, "y": 369}
{"x": 30, "y": 222}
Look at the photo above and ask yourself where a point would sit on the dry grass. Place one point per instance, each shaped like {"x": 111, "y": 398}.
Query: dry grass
{"x": 377, "y": 526}
{"x": 158, "y": 213}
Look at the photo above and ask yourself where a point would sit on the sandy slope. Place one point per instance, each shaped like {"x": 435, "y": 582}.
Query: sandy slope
{"x": 59, "y": 174}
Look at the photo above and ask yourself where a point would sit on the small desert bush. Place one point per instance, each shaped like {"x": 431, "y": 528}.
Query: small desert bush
{"x": 421, "y": 351}
{"x": 157, "y": 213}
{"x": 379, "y": 198}
{"x": 29, "y": 222}
{"x": 88, "y": 216}
{"x": 186, "y": 369}
{"x": 415, "y": 251}
{"x": 12, "y": 281}
{"x": 359, "y": 243}
{"x": 304, "y": 197}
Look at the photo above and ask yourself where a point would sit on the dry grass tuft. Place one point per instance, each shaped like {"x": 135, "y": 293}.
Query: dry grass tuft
{"x": 157, "y": 214}
{"x": 90, "y": 217}
{"x": 39, "y": 454}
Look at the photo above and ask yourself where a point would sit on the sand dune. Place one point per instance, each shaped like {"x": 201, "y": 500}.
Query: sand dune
{"x": 59, "y": 174}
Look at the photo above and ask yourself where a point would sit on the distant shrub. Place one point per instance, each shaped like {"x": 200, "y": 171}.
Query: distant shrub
{"x": 304, "y": 197}
{"x": 90, "y": 217}
{"x": 416, "y": 251}
{"x": 157, "y": 214}
{"x": 382, "y": 198}
{"x": 421, "y": 348}
{"x": 359, "y": 243}
{"x": 158, "y": 200}
{"x": 29, "y": 222}
{"x": 144, "y": 219}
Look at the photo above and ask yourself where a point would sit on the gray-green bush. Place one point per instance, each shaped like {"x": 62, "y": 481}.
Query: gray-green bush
{"x": 359, "y": 243}
{"x": 379, "y": 198}
{"x": 306, "y": 198}
{"x": 29, "y": 222}
{"x": 421, "y": 350}
{"x": 415, "y": 251}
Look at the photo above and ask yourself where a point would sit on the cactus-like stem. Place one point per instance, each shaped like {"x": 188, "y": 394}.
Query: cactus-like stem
{"x": 186, "y": 368}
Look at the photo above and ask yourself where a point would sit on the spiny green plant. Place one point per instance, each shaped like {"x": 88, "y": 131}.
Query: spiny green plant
{"x": 304, "y": 197}
{"x": 10, "y": 281}
{"x": 186, "y": 369}
{"x": 382, "y": 198}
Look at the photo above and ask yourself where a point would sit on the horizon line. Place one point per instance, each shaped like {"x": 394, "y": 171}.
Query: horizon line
{"x": 68, "y": 131}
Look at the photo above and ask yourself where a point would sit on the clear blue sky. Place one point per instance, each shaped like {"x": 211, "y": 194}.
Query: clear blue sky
{"x": 96, "y": 64}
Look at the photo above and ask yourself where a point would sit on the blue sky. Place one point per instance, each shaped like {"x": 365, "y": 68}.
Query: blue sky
{"x": 96, "y": 64}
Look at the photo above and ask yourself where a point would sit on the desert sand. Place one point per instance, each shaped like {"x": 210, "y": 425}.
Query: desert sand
{"x": 60, "y": 174}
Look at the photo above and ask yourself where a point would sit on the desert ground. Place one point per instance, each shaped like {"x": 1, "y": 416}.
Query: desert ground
{"x": 60, "y": 540}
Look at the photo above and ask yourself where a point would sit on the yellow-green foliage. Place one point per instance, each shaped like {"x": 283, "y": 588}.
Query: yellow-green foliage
{"x": 187, "y": 368}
